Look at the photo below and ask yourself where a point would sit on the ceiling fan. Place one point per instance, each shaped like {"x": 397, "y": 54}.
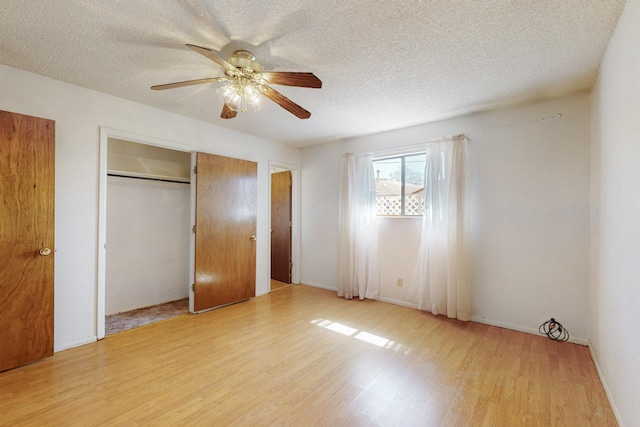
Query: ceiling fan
{"x": 248, "y": 83}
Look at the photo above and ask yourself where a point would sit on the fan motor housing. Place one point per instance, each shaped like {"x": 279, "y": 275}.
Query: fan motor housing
{"x": 244, "y": 59}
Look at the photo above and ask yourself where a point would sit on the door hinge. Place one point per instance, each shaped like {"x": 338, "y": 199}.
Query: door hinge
{"x": 195, "y": 169}
{"x": 193, "y": 229}
{"x": 193, "y": 287}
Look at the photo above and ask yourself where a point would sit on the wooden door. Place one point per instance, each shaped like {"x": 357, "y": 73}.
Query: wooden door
{"x": 281, "y": 226}
{"x": 226, "y": 212}
{"x": 26, "y": 239}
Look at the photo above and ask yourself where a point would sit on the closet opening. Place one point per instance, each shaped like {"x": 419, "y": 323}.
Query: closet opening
{"x": 147, "y": 235}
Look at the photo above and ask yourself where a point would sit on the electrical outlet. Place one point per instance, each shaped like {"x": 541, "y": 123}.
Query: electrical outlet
{"x": 399, "y": 282}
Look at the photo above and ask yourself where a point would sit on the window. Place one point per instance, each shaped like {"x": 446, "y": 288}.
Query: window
{"x": 400, "y": 185}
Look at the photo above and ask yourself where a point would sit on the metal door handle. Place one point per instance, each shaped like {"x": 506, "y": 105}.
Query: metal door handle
{"x": 45, "y": 251}
{"x": 253, "y": 237}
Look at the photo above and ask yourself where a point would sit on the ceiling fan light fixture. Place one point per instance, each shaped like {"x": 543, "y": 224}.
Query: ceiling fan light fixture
{"x": 241, "y": 95}
{"x": 248, "y": 83}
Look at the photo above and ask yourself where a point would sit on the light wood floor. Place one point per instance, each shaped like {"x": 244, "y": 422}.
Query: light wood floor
{"x": 275, "y": 285}
{"x": 303, "y": 357}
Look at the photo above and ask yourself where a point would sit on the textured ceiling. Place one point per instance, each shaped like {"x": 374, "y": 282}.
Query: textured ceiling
{"x": 384, "y": 64}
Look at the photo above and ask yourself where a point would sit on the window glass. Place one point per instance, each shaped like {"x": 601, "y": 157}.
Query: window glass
{"x": 388, "y": 186}
{"x": 414, "y": 184}
{"x": 399, "y": 185}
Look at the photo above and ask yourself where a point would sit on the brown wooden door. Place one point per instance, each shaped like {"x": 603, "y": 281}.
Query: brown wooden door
{"x": 26, "y": 239}
{"x": 281, "y": 226}
{"x": 226, "y": 212}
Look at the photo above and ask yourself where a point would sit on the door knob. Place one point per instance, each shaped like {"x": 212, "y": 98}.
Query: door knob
{"x": 45, "y": 251}
{"x": 253, "y": 237}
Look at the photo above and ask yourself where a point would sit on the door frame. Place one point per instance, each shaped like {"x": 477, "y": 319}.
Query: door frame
{"x": 105, "y": 134}
{"x": 295, "y": 219}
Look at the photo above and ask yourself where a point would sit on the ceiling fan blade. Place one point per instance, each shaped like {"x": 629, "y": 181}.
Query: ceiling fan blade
{"x": 189, "y": 83}
{"x": 285, "y": 102}
{"x": 292, "y": 79}
{"x": 227, "y": 113}
{"x": 214, "y": 56}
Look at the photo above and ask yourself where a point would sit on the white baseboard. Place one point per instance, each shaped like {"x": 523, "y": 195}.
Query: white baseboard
{"x": 388, "y": 300}
{"x": 575, "y": 340}
{"x": 318, "y": 285}
{"x": 77, "y": 343}
{"x": 607, "y": 390}
{"x": 398, "y": 302}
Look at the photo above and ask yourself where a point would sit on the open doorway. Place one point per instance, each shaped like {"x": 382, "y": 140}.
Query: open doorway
{"x": 283, "y": 222}
{"x": 281, "y": 228}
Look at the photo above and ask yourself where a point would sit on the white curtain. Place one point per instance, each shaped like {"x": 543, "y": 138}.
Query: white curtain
{"x": 442, "y": 280}
{"x": 359, "y": 259}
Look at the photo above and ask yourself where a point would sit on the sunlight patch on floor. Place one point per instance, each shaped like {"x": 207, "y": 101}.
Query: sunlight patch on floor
{"x": 361, "y": 335}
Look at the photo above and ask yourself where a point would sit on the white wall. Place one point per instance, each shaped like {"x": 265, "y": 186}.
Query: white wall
{"x": 529, "y": 206}
{"x": 79, "y": 113}
{"x": 398, "y": 237}
{"x": 615, "y": 261}
{"x": 148, "y": 230}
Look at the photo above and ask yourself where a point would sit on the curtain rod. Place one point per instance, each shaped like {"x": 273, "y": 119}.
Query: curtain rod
{"x": 412, "y": 147}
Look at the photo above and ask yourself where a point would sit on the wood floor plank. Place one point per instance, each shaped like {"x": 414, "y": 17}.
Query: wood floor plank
{"x": 302, "y": 356}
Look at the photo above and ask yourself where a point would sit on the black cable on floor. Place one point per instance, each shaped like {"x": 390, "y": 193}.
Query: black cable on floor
{"x": 554, "y": 330}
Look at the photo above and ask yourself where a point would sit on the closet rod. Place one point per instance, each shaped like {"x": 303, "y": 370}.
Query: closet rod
{"x": 148, "y": 178}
